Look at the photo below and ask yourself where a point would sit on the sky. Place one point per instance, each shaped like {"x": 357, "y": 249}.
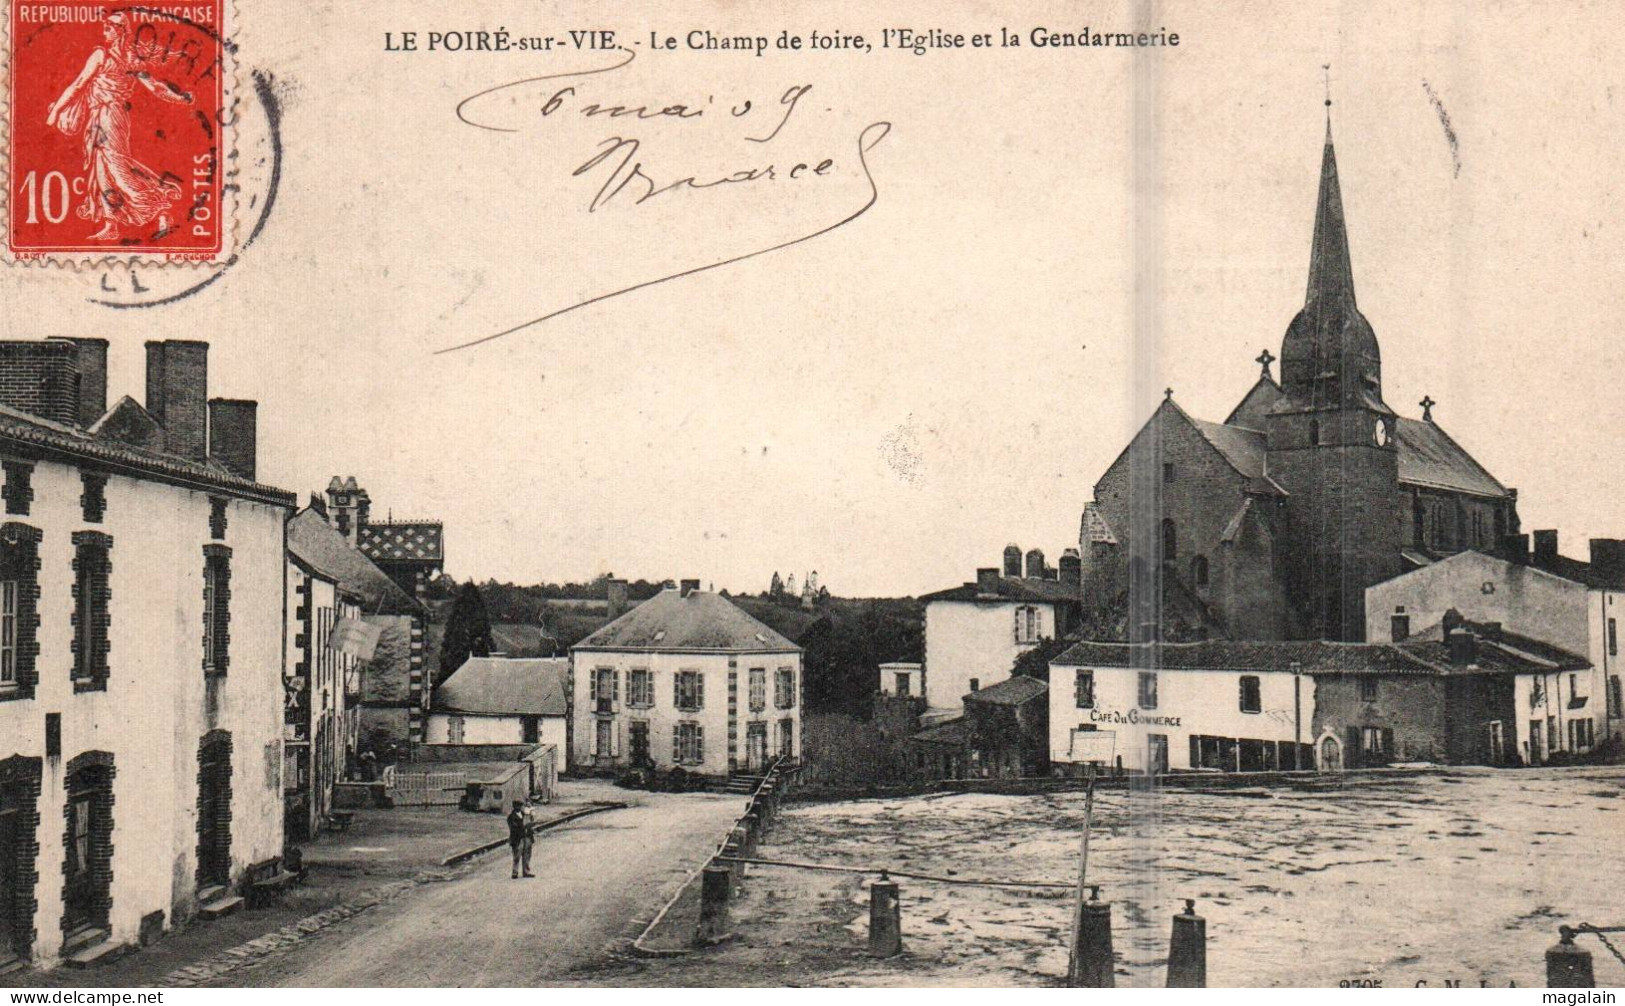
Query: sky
{"x": 1055, "y": 237}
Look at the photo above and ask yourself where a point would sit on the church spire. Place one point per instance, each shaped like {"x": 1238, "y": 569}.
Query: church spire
{"x": 1331, "y": 278}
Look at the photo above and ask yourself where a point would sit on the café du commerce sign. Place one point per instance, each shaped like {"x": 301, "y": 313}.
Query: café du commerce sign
{"x": 1133, "y": 716}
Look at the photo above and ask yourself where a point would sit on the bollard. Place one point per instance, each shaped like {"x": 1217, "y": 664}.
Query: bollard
{"x": 753, "y": 832}
{"x": 766, "y": 806}
{"x": 715, "y": 884}
{"x": 734, "y": 848}
{"x": 1187, "y": 950}
{"x": 1568, "y": 966}
{"x": 1095, "y": 968}
{"x": 885, "y": 918}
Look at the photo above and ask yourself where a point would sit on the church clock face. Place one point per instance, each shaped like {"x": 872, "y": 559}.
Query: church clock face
{"x": 1380, "y": 434}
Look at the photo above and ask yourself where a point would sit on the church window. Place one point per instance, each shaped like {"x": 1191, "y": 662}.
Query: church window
{"x": 1199, "y": 570}
{"x": 1400, "y": 626}
{"x": 1170, "y": 540}
{"x": 1368, "y": 689}
{"x": 1314, "y": 431}
{"x": 1167, "y": 471}
{"x": 1613, "y": 638}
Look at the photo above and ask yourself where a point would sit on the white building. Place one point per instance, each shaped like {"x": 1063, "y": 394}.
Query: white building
{"x": 902, "y": 680}
{"x": 686, "y": 679}
{"x": 975, "y": 632}
{"x": 141, "y": 634}
{"x": 1172, "y": 707}
{"x": 1551, "y": 600}
{"x": 502, "y": 700}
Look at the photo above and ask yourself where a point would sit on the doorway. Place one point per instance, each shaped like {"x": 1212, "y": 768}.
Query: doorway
{"x": 1498, "y": 753}
{"x": 639, "y": 734}
{"x": 1331, "y": 755}
{"x": 755, "y": 747}
{"x": 214, "y": 810}
{"x": 1156, "y": 754}
{"x": 86, "y": 867}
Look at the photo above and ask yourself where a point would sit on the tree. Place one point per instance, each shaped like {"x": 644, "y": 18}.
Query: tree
{"x": 1034, "y": 663}
{"x": 776, "y": 590}
{"x": 468, "y": 632}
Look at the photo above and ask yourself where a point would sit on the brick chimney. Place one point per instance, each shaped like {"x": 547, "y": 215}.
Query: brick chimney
{"x": 1072, "y": 568}
{"x": 1035, "y": 564}
{"x": 617, "y": 597}
{"x": 232, "y": 435}
{"x": 690, "y": 587}
{"x": 92, "y": 366}
{"x": 1608, "y": 561}
{"x": 1515, "y": 547}
{"x": 1463, "y": 647}
{"x": 177, "y": 395}
{"x": 987, "y": 580}
{"x": 1012, "y": 560}
{"x": 1545, "y": 549}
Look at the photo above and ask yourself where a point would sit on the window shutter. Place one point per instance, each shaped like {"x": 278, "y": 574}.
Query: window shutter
{"x": 1018, "y": 625}
{"x": 615, "y": 740}
{"x": 699, "y": 744}
{"x": 699, "y": 690}
{"x": 1388, "y": 742}
{"x": 592, "y": 687}
{"x": 1351, "y": 756}
{"x": 677, "y": 743}
{"x": 677, "y": 690}
{"x": 615, "y": 688}
{"x": 595, "y": 751}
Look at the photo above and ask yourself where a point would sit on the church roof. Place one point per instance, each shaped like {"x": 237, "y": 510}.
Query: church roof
{"x": 702, "y": 621}
{"x": 1331, "y": 277}
{"x": 1429, "y": 457}
{"x": 1253, "y": 409}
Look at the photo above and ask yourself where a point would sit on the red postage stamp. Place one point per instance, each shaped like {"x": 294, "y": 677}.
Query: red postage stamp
{"x": 116, "y": 113}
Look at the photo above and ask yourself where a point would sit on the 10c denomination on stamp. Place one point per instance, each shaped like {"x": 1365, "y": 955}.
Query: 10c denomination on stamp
{"x": 116, "y": 118}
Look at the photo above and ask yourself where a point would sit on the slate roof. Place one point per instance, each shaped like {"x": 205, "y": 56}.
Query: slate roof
{"x": 1414, "y": 657}
{"x": 1011, "y": 691}
{"x": 701, "y": 621}
{"x": 1429, "y": 457}
{"x": 129, "y": 459}
{"x": 955, "y": 731}
{"x": 505, "y": 686}
{"x": 403, "y": 541}
{"x": 1012, "y": 588}
{"x": 314, "y": 542}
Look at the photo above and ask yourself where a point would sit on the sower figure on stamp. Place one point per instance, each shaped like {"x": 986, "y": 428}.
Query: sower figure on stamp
{"x": 119, "y": 190}
{"x": 520, "y": 839}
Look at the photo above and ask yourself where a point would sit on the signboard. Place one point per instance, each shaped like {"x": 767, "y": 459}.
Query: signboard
{"x": 1093, "y": 746}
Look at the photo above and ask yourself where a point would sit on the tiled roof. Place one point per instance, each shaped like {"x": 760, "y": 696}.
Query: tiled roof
{"x": 315, "y": 543}
{"x": 1243, "y": 448}
{"x": 403, "y": 541}
{"x": 1429, "y": 457}
{"x": 701, "y": 621}
{"x": 42, "y": 434}
{"x": 1013, "y": 589}
{"x": 1419, "y": 657}
{"x": 954, "y": 731}
{"x": 505, "y": 686}
{"x": 1011, "y": 691}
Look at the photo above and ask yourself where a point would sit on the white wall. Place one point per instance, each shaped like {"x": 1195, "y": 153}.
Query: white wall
{"x": 662, "y": 717}
{"x": 1525, "y": 600}
{"x": 495, "y": 729}
{"x": 973, "y": 639}
{"x": 889, "y": 673}
{"x": 154, "y": 712}
{"x": 1204, "y": 703}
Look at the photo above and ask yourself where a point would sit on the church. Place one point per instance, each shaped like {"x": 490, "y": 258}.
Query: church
{"x": 1271, "y": 524}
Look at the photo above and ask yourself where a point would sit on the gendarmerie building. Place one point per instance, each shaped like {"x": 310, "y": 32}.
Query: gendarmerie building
{"x": 141, "y": 579}
{"x": 1271, "y": 524}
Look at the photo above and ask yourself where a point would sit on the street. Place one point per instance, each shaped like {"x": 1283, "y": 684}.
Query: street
{"x": 598, "y": 879}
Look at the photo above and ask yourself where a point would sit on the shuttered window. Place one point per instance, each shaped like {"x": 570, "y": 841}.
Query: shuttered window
{"x": 758, "y": 689}
{"x": 688, "y": 689}
{"x": 784, "y": 688}
{"x": 688, "y": 744}
{"x": 1083, "y": 689}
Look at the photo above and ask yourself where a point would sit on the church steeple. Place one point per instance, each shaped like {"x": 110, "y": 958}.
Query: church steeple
{"x": 1331, "y": 277}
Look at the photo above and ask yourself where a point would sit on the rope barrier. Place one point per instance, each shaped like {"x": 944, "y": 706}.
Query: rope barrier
{"x": 887, "y": 872}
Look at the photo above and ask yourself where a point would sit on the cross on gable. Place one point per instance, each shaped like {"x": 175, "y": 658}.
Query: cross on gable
{"x": 1427, "y": 403}
{"x": 1167, "y": 392}
{"x": 1264, "y": 360}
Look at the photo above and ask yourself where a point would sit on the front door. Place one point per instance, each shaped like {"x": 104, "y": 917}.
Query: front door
{"x": 532, "y": 727}
{"x": 79, "y": 911}
{"x": 640, "y": 742}
{"x": 755, "y": 747}
{"x": 1331, "y": 755}
{"x": 10, "y": 815}
{"x": 214, "y": 813}
{"x": 1497, "y": 743}
{"x": 605, "y": 738}
{"x": 1156, "y": 753}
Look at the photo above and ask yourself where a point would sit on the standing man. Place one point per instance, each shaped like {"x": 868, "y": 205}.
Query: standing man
{"x": 520, "y": 839}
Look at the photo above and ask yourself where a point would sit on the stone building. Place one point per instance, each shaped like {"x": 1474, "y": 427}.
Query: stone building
{"x": 688, "y": 680}
{"x": 141, "y": 622}
{"x": 1271, "y": 524}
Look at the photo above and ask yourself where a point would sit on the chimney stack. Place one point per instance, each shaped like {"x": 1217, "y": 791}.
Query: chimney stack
{"x": 1516, "y": 548}
{"x": 987, "y": 581}
{"x": 232, "y": 435}
{"x": 1463, "y": 647}
{"x": 617, "y": 597}
{"x": 1072, "y": 568}
{"x": 1608, "y": 561}
{"x": 92, "y": 366}
{"x": 1545, "y": 549}
{"x": 1035, "y": 564}
{"x": 690, "y": 586}
{"x": 177, "y": 395}
{"x": 1012, "y": 561}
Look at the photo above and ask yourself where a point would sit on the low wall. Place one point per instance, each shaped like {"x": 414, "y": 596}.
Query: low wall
{"x": 473, "y": 752}
{"x": 358, "y": 795}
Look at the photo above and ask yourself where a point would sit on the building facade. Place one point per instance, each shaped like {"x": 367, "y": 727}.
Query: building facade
{"x": 975, "y": 632}
{"x": 322, "y": 686}
{"x": 1271, "y": 524}
{"x": 502, "y": 700}
{"x": 141, "y": 653}
{"x": 685, "y": 680}
{"x": 902, "y": 680}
